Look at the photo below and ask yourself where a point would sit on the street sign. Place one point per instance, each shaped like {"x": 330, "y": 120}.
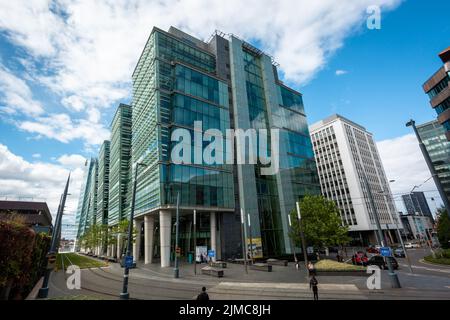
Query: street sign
{"x": 385, "y": 251}
{"x": 128, "y": 261}
{"x": 211, "y": 253}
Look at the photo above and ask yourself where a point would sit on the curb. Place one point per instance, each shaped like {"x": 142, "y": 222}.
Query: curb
{"x": 35, "y": 291}
{"x": 434, "y": 264}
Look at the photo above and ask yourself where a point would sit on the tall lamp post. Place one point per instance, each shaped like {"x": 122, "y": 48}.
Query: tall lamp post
{"x": 51, "y": 256}
{"x": 398, "y": 233}
{"x": 124, "y": 295}
{"x": 412, "y": 123}
{"x": 195, "y": 241}
{"x": 244, "y": 240}
{"x": 292, "y": 242}
{"x": 395, "y": 283}
{"x": 302, "y": 236}
{"x": 250, "y": 236}
{"x": 176, "y": 270}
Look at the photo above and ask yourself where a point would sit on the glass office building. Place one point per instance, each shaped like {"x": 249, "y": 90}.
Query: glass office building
{"x": 224, "y": 83}
{"x": 103, "y": 184}
{"x": 119, "y": 167}
{"x": 434, "y": 138}
{"x": 87, "y": 203}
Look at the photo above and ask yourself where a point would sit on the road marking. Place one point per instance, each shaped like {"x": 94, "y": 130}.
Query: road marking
{"x": 428, "y": 269}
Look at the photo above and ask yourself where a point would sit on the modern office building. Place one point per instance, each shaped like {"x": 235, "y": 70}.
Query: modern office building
{"x": 87, "y": 203}
{"x": 417, "y": 227}
{"x": 416, "y": 203}
{"x": 438, "y": 90}
{"x": 434, "y": 138}
{"x": 224, "y": 83}
{"x": 103, "y": 184}
{"x": 36, "y": 215}
{"x": 345, "y": 152}
{"x": 119, "y": 168}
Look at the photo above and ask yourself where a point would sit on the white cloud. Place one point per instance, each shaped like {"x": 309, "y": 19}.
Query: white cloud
{"x": 341, "y": 72}
{"x": 36, "y": 155}
{"x": 404, "y": 163}
{"x": 41, "y": 181}
{"x": 72, "y": 160}
{"x": 15, "y": 95}
{"x": 62, "y": 128}
{"x": 91, "y": 47}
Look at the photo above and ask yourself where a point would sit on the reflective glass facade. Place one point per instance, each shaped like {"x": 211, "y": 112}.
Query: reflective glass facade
{"x": 87, "y": 203}
{"x": 269, "y": 104}
{"x": 435, "y": 141}
{"x": 173, "y": 86}
{"x": 103, "y": 184}
{"x": 225, "y": 83}
{"x": 120, "y": 157}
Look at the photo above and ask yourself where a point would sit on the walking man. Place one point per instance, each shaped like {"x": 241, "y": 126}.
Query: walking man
{"x": 203, "y": 296}
{"x": 313, "y": 285}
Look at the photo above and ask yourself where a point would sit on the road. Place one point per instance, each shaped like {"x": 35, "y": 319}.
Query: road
{"x": 153, "y": 282}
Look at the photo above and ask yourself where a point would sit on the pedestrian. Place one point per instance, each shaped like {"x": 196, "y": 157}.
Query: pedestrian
{"x": 313, "y": 285}
{"x": 311, "y": 269}
{"x": 203, "y": 296}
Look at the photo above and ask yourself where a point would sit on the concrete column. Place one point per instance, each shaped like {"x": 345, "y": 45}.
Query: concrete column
{"x": 165, "y": 224}
{"x": 149, "y": 226}
{"x": 213, "y": 226}
{"x": 119, "y": 246}
{"x": 137, "y": 241}
{"x": 108, "y": 250}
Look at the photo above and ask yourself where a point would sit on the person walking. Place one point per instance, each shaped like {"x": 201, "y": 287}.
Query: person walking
{"x": 311, "y": 269}
{"x": 203, "y": 296}
{"x": 313, "y": 285}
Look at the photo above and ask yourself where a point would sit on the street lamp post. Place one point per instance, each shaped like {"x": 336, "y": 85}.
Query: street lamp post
{"x": 244, "y": 240}
{"x": 124, "y": 295}
{"x": 251, "y": 240}
{"x": 302, "y": 236}
{"x": 292, "y": 242}
{"x": 412, "y": 123}
{"x": 43, "y": 291}
{"x": 195, "y": 241}
{"x": 393, "y": 276}
{"x": 401, "y": 239}
{"x": 176, "y": 270}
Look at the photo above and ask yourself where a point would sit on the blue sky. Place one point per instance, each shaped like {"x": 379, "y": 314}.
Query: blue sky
{"x": 65, "y": 66}
{"x": 386, "y": 70}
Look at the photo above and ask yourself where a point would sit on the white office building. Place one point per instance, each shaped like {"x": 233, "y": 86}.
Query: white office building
{"x": 344, "y": 153}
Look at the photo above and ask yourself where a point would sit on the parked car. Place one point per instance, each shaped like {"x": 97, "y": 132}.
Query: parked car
{"x": 399, "y": 253}
{"x": 360, "y": 258}
{"x": 372, "y": 250}
{"x": 411, "y": 245}
{"x": 381, "y": 262}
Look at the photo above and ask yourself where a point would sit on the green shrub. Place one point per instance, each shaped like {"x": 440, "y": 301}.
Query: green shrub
{"x": 330, "y": 265}
{"x": 22, "y": 259}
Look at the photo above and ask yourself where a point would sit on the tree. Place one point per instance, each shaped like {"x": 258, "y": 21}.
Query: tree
{"x": 321, "y": 223}
{"x": 443, "y": 228}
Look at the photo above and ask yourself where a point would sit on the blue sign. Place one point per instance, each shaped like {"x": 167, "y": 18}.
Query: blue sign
{"x": 129, "y": 261}
{"x": 385, "y": 251}
{"x": 211, "y": 253}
